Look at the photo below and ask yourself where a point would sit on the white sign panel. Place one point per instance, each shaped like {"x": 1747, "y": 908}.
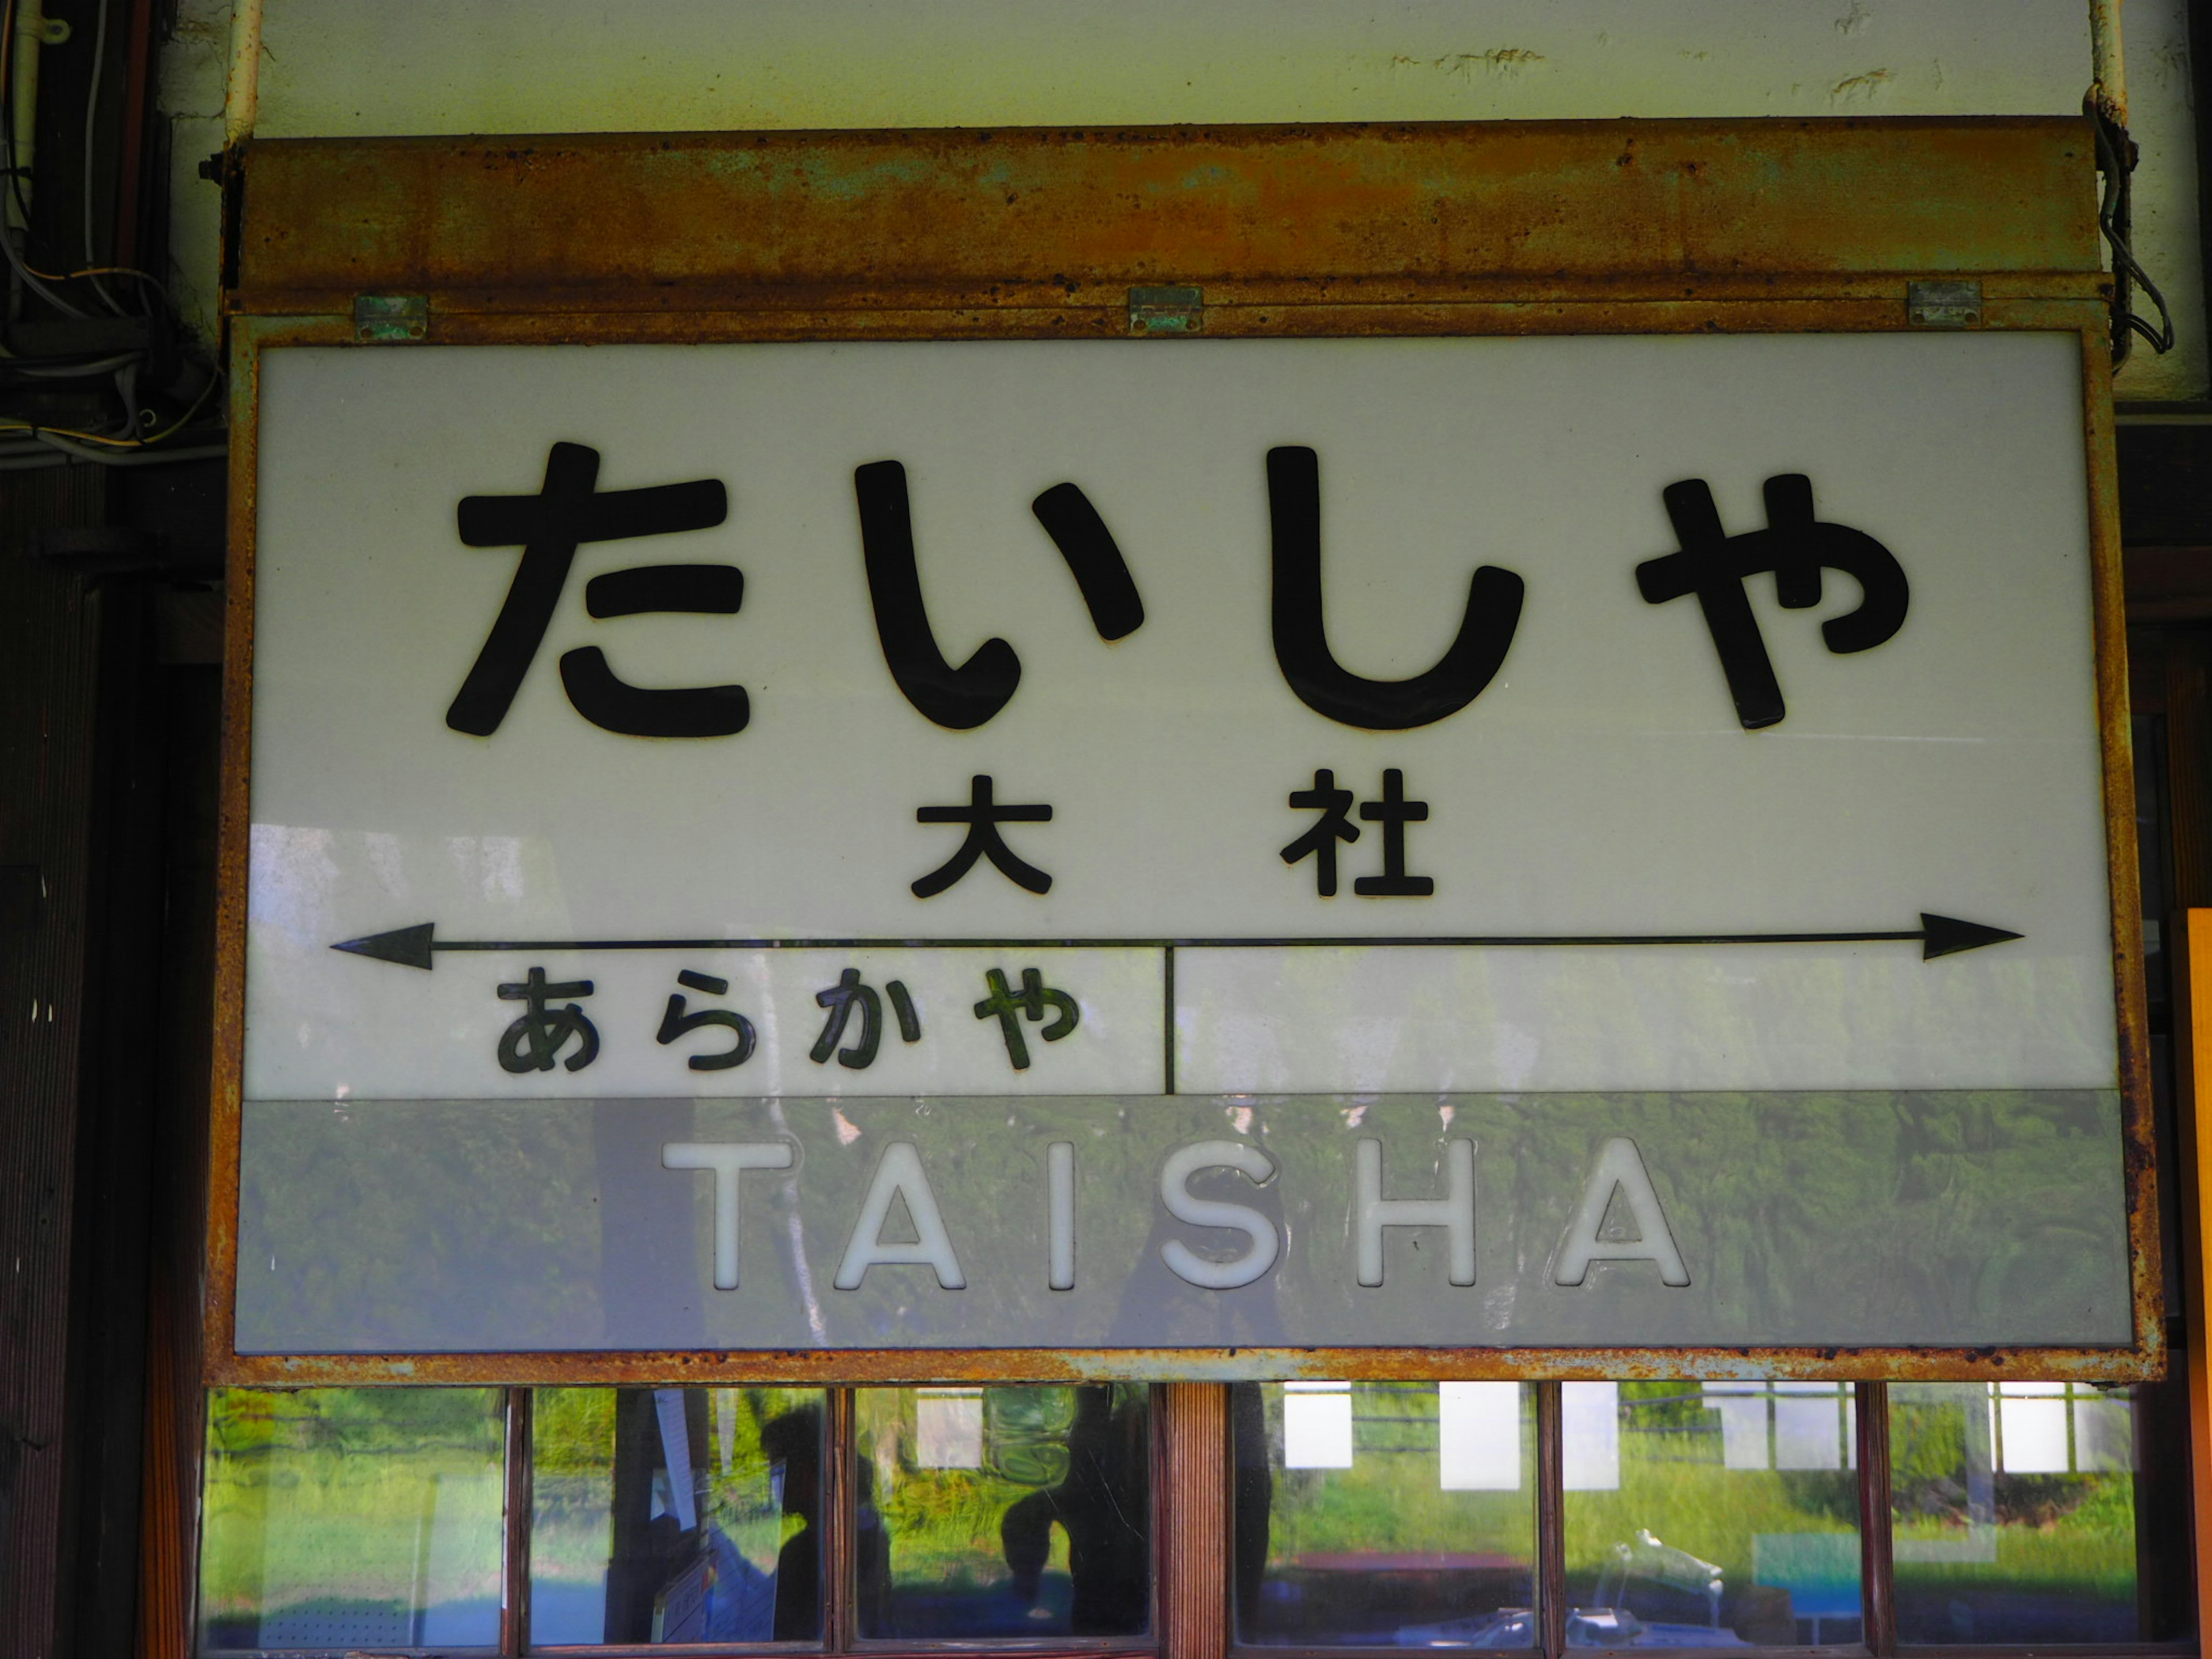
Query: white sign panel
{"x": 1220, "y": 718}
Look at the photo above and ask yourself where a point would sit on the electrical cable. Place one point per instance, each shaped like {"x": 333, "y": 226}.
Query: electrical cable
{"x": 29, "y": 440}
{"x": 23, "y": 272}
{"x": 46, "y": 368}
{"x": 65, "y": 364}
{"x": 2116, "y": 160}
{"x": 28, "y": 444}
{"x": 47, "y": 434}
{"x": 8, "y": 103}
{"x": 30, "y": 279}
{"x": 137, "y": 455}
{"x": 126, "y": 393}
{"x": 147, "y": 277}
{"x": 35, "y": 430}
{"x": 91, "y": 118}
{"x": 30, "y": 274}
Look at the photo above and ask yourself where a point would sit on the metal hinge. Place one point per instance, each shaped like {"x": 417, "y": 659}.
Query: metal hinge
{"x": 1943, "y": 304}
{"x": 386, "y": 318}
{"x": 1167, "y": 311}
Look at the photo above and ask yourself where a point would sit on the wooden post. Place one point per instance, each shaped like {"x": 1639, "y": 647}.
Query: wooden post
{"x": 1195, "y": 1556}
{"x": 2191, "y": 959}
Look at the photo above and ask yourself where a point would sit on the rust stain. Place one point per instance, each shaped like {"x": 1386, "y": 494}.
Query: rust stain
{"x": 1476, "y": 204}
{"x": 1860, "y": 88}
{"x": 1506, "y": 60}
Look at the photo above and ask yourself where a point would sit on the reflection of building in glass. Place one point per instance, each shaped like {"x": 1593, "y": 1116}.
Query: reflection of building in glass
{"x": 948, "y": 1428}
{"x": 1785, "y": 1425}
{"x": 2059, "y": 1428}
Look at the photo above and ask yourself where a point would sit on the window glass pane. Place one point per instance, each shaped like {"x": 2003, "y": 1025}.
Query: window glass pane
{"x": 1385, "y": 1513}
{"x": 1707, "y": 1514}
{"x": 352, "y": 1518}
{"x": 1003, "y": 1511}
{"x": 2014, "y": 1508}
{"x": 675, "y": 1515}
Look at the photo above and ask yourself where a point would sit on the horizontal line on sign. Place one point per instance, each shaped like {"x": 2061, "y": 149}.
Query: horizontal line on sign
{"x": 1938, "y": 936}
{"x": 1463, "y": 941}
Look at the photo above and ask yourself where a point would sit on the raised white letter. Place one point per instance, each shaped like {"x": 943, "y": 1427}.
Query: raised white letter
{"x": 1619, "y": 1168}
{"x": 1174, "y": 1193}
{"x": 1060, "y": 1214}
{"x": 899, "y": 1174}
{"x": 725, "y": 1158}
{"x": 1455, "y": 1212}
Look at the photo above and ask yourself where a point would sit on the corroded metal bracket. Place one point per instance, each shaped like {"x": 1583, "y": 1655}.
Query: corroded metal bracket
{"x": 1167, "y": 311}
{"x": 388, "y": 318}
{"x": 1943, "y": 304}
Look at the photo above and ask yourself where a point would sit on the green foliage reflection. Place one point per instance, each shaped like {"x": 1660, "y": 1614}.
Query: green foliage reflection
{"x": 361, "y": 1516}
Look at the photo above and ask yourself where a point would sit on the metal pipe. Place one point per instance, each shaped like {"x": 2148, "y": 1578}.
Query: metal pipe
{"x": 2108, "y": 85}
{"x": 241, "y": 99}
{"x": 22, "y": 137}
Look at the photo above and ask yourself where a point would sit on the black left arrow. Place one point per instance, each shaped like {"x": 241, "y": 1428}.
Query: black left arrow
{"x": 409, "y": 947}
{"x": 1937, "y": 936}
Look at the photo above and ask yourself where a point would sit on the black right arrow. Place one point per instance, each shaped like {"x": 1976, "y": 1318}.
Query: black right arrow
{"x": 412, "y": 947}
{"x": 1943, "y": 935}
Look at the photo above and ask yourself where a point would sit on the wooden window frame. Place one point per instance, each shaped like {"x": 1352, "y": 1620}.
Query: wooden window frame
{"x": 1193, "y": 1585}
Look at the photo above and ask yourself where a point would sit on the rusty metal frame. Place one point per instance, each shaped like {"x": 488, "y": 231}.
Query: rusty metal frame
{"x": 2192, "y": 1049}
{"x": 1568, "y": 227}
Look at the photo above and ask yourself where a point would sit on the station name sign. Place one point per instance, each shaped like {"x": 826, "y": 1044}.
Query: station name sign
{"x": 1563, "y": 843}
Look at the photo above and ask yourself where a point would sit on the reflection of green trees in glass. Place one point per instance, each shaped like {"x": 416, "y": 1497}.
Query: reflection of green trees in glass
{"x": 1390, "y": 1500}
{"x": 943, "y": 1522}
{"x": 1975, "y": 1542}
{"x": 444, "y": 1224}
{"x": 1676, "y": 1485}
{"x": 570, "y": 1429}
{"x": 1667, "y": 1408}
{"x": 386, "y": 1503}
{"x": 943, "y": 1528}
{"x": 373, "y": 1505}
{"x": 572, "y": 1435}
{"x": 1428, "y": 1535}
{"x": 1763, "y": 1188}
{"x": 1007, "y": 1510}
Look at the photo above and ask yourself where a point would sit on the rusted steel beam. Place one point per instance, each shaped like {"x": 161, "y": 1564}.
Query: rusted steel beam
{"x": 1230, "y": 299}
{"x": 915, "y": 319}
{"x": 672, "y": 222}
